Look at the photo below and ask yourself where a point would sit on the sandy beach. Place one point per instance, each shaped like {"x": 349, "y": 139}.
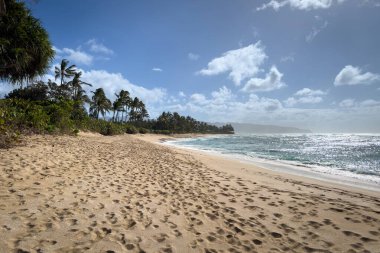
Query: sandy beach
{"x": 126, "y": 193}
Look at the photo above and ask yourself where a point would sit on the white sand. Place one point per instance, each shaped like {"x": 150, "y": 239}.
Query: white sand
{"x": 120, "y": 194}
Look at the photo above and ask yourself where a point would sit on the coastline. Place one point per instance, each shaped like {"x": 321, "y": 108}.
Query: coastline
{"x": 126, "y": 193}
{"x": 276, "y": 168}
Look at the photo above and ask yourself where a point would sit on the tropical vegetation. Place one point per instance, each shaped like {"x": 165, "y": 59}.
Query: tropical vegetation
{"x": 62, "y": 105}
{"x": 25, "y": 48}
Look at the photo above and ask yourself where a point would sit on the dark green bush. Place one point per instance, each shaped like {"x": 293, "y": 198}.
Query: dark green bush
{"x": 166, "y": 132}
{"x": 8, "y": 133}
{"x": 60, "y": 116}
{"x": 35, "y": 92}
{"x": 143, "y": 130}
{"x": 76, "y": 131}
{"x": 37, "y": 118}
{"x": 131, "y": 130}
{"x": 112, "y": 129}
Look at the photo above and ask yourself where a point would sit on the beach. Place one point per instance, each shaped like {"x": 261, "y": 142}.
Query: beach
{"x": 128, "y": 193}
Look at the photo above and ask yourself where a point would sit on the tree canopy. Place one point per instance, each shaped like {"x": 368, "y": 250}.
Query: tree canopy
{"x": 25, "y": 48}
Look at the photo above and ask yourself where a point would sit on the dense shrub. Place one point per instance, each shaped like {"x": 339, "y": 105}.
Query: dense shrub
{"x": 165, "y": 132}
{"x": 8, "y": 132}
{"x": 112, "y": 129}
{"x": 60, "y": 116}
{"x": 131, "y": 130}
{"x": 37, "y": 119}
{"x": 35, "y": 92}
{"x": 143, "y": 130}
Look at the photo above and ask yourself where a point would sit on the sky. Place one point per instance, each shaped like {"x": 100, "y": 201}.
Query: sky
{"x": 312, "y": 64}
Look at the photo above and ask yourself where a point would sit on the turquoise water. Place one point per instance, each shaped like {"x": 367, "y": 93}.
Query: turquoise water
{"x": 355, "y": 154}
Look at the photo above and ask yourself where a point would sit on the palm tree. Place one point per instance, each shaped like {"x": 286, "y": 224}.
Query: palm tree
{"x": 64, "y": 71}
{"x": 124, "y": 100}
{"x": 144, "y": 113}
{"x": 25, "y": 48}
{"x": 99, "y": 103}
{"x": 76, "y": 84}
{"x": 134, "y": 107}
{"x": 81, "y": 96}
{"x": 116, "y": 107}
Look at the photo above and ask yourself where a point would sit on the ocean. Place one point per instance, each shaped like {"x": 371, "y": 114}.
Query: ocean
{"x": 347, "y": 157}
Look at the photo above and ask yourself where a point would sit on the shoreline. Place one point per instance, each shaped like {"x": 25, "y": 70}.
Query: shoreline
{"x": 284, "y": 169}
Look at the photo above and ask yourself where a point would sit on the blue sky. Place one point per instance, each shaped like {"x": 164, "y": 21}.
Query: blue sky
{"x": 306, "y": 63}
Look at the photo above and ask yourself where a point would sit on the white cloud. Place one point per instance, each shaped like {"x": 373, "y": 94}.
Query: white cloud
{"x": 57, "y": 50}
{"x": 181, "y": 94}
{"x": 198, "y": 98}
{"x": 288, "y": 58}
{"x": 223, "y": 102}
{"x": 272, "y": 81}
{"x": 305, "y": 96}
{"x": 346, "y": 103}
{"x": 77, "y": 56}
{"x": 222, "y": 95}
{"x": 315, "y": 31}
{"x": 370, "y": 103}
{"x": 309, "y": 92}
{"x": 351, "y": 75}
{"x": 240, "y": 63}
{"x": 299, "y": 4}
{"x": 157, "y": 69}
{"x": 193, "y": 56}
{"x": 268, "y": 104}
{"x": 113, "y": 82}
{"x": 353, "y": 104}
{"x": 97, "y": 47}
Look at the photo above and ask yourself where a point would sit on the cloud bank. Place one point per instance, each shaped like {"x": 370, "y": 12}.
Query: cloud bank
{"x": 299, "y": 4}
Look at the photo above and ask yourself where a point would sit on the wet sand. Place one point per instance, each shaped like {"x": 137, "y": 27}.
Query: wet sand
{"x": 127, "y": 194}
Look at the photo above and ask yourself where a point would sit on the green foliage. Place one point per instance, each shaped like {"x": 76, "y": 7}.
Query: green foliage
{"x": 60, "y": 108}
{"x": 175, "y": 123}
{"x": 76, "y": 131}
{"x": 8, "y": 133}
{"x": 165, "y": 132}
{"x": 36, "y": 118}
{"x": 60, "y": 115}
{"x": 99, "y": 104}
{"x": 131, "y": 130}
{"x": 143, "y": 130}
{"x": 35, "y": 92}
{"x": 112, "y": 129}
{"x": 25, "y": 48}
{"x": 64, "y": 71}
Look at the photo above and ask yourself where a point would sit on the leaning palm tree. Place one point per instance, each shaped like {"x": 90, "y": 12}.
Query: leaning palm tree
{"x": 99, "y": 104}
{"x": 116, "y": 108}
{"x": 135, "y": 104}
{"x": 76, "y": 84}
{"x": 125, "y": 103}
{"x": 81, "y": 96}
{"x": 64, "y": 71}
